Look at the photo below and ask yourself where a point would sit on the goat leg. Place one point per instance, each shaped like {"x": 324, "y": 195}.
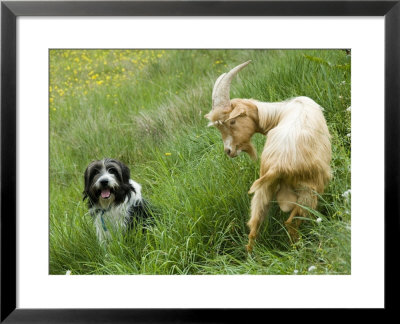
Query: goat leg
{"x": 259, "y": 208}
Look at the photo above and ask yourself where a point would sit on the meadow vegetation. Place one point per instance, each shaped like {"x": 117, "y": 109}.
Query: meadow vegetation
{"x": 146, "y": 108}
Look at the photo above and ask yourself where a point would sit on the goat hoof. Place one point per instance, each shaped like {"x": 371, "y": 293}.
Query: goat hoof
{"x": 294, "y": 235}
{"x": 249, "y": 248}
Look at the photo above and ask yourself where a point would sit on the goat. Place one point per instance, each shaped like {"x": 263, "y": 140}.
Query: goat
{"x": 295, "y": 162}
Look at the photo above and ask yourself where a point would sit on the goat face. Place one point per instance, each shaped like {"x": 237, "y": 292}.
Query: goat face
{"x": 235, "y": 118}
{"x": 237, "y": 125}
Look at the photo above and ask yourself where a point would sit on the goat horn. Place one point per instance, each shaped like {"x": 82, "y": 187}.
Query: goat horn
{"x": 221, "y": 90}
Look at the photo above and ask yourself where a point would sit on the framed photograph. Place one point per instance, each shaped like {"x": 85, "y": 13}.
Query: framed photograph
{"x": 164, "y": 158}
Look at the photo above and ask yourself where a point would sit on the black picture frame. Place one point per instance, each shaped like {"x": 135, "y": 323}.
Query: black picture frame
{"x": 10, "y": 10}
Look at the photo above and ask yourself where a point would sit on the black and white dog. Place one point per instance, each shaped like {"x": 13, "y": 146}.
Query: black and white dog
{"x": 114, "y": 199}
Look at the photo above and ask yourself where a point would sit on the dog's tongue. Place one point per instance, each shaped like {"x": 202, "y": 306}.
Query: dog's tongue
{"x": 105, "y": 193}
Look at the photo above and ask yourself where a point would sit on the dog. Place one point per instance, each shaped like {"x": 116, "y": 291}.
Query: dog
{"x": 114, "y": 199}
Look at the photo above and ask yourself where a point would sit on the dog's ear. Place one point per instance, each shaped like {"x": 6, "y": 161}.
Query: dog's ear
{"x": 126, "y": 173}
{"x": 86, "y": 184}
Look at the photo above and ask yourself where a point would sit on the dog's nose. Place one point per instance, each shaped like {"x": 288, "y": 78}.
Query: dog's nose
{"x": 104, "y": 182}
{"x": 227, "y": 151}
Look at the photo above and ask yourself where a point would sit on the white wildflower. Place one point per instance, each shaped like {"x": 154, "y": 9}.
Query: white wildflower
{"x": 312, "y": 268}
{"x": 346, "y": 194}
{"x": 349, "y": 135}
{"x": 348, "y": 109}
{"x": 319, "y": 220}
{"x": 68, "y": 273}
{"x": 295, "y": 271}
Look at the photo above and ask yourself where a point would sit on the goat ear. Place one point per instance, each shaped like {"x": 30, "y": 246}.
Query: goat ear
{"x": 227, "y": 110}
{"x": 236, "y": 113}
{"x": 230, "y": 108}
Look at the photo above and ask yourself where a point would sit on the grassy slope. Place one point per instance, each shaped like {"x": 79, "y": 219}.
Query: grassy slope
{"x": 146, "y": 108}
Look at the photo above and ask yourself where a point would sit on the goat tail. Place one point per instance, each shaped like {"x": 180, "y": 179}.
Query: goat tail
{"x": 268, "y": 177}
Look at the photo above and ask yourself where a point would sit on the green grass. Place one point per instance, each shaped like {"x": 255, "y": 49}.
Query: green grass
{"x": 147, "y": 109}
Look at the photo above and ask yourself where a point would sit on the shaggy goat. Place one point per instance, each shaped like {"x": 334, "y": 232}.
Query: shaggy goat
{"x": 295, "y": 162}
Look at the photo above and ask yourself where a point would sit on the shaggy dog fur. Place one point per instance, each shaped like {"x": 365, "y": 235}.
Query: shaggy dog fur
{"x": 114, "y": 200}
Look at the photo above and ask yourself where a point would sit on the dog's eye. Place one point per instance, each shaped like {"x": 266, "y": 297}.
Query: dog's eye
{"x": 113, "y": 170}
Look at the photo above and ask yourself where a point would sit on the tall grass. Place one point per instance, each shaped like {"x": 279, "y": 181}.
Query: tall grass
{"x": 146, "y": 108}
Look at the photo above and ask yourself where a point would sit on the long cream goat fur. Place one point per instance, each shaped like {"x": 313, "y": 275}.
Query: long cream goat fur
{"x": 295, "y": 162}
